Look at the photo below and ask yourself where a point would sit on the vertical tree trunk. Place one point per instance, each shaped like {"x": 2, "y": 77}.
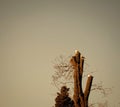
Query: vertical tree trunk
{"x": 87, "y": 89}
{"x": 80, "y": 98}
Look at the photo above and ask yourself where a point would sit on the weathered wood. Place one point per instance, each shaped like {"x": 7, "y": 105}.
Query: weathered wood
{"x": 80, "y": 98}
{"x": 76, "y": 82}
{"x": 87, "y": 89}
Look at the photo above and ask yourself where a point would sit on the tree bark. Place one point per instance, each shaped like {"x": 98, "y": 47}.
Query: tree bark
{"x": 87, "y": 89}
{"x": 80, "y": 98}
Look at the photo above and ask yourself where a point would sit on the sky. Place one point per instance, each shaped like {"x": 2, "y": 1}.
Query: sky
{"x": 34, "y": 32}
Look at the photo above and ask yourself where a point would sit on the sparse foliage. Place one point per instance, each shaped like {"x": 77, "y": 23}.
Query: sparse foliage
{"x": 63, "y": 99}
{"x": 63, "y": 76}
{"x": 63, "y": 72}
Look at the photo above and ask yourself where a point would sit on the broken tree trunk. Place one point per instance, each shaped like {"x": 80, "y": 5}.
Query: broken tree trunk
{"x": 80, "y": 98}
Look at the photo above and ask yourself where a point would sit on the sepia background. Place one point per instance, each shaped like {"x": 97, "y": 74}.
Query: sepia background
{"x": 34, "y": 32}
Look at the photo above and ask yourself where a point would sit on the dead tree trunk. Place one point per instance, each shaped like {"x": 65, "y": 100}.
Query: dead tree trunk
{"x": 80, "y": 97}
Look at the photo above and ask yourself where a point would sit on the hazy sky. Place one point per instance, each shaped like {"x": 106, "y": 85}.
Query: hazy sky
{"x": 34, "y": 32}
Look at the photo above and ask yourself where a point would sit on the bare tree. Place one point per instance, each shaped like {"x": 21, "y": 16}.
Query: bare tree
{"x": 64, "y": 76}
{"x": 80, "y": 97}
